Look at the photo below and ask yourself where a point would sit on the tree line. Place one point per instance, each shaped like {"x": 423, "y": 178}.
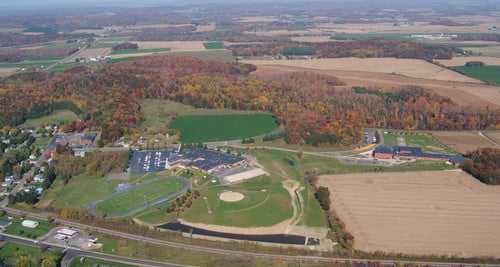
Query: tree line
{"x": 372, "y": 48}
{"x": 484, "y": 164}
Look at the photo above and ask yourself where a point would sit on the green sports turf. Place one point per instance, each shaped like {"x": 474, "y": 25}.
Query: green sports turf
{"x": 139, "y": 196}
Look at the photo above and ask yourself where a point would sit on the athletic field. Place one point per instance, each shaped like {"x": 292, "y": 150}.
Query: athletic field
{"x": 139, "y": 196}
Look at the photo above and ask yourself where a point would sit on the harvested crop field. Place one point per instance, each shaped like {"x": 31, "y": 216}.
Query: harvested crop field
{"x": 464, "y": 142}
{"x": 460, "y": 61}
{"x": 7, "y": 71}
{"x": 438, "y": 212}
{"x": 463, "y": 93}
{"x": 173, "y": 45}
{"x": 406, "y": 67}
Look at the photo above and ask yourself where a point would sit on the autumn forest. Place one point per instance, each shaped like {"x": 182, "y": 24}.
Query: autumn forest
{"x": 314, "y": 109}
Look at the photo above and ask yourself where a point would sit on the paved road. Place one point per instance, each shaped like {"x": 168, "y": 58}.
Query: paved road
{"x": 187, "y": 185}
{"x": 296, "y": 258}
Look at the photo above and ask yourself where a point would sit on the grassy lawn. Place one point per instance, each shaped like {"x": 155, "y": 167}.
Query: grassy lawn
{"x": 16, "y": 228}
{"x": 79, "y": 191}
{"x": 9, "y": 252}
{"x": 213, "y": 45}
{"x": 58, "y": 117}
{"x": 489, "y": 74}
{"x": 137, "y": 51}
{"x": 139, "y": 195}
{"x": 222, "y": 127}
{"x": 42, "y": 142}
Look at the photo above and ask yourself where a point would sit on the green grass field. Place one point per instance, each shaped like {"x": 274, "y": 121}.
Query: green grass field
{"x": 58, "y": 117}
{"x": 426, "y": 142}
{"x": 123, "y": 59}
{"x": 80, "y": 191}
{"x": 222, "y": 127}
{"x": 17, "y": 229}
{"x": 9, "y": 252}
{"x": 139, "y": 196}
{"x": 489, "y": 74}
{"x": 138, "y": 51}
{"x": 158, "y": 113}
{"x": 214, "y": 45}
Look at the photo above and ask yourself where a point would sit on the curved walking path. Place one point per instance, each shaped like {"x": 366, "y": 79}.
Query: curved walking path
{"x": 187, "y": 185}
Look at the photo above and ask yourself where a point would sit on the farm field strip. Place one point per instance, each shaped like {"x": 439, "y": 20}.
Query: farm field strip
{"x": 467, "y": 141}
{"x": 460, "y": 61}
{"x": 438, "y": 212}
{"x": 485, "y": 73}
{"x": 407, "y": 67}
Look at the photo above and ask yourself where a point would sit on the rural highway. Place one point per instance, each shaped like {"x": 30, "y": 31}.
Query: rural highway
{"x": 296, "y": 258}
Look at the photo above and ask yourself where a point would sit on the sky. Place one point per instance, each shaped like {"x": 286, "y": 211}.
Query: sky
{"x": 37, "y": 4}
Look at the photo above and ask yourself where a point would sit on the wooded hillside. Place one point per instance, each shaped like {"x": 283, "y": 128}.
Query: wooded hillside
{"x": 309, "y": 105}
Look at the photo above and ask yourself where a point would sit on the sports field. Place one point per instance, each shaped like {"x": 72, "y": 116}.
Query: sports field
{"x": 489, "y": 74}
{"x": 438, "y": 212}
{"x": 209, "y": 128}
{"x": 139, "y": 196}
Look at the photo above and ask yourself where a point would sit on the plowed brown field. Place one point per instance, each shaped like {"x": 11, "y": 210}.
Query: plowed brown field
{"x": 438, "y": 212}
{"x": 464, "y": 142}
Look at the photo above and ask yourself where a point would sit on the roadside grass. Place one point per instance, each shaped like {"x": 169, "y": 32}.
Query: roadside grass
{"x": 9, "y": 252}
{"x": 488, "y": 74}
{"x": 75, "y": 262}
{"x": 205, "y": 128}
{"x": 424, "y": 141}
{"x": 17, "y": 229}
{"x": 139, "y": 196}
{"x": 137, "y": 249}
{"x": 58, "y": 117}
{"x": 214, "y": 45}
{"x": 80, "y": 191}
{"x": 139, "y": 51}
